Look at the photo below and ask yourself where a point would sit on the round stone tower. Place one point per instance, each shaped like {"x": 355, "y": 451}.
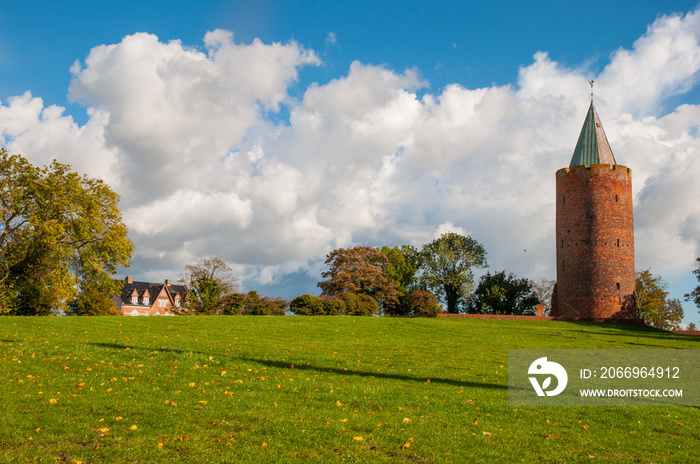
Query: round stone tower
{"x": 594, "y": 231}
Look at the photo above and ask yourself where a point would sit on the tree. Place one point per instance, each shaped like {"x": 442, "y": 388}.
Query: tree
{"x": 404, "y": 263}
{"x": 447, "y": 264}
{"x": 359, "y": 270}
{"x": 93, "y": 302}
{"x": 691, "y": 327}
{"x": 652, "y": 305}
{"x": 502, "y": 293}
{"x": 209, "y": 280}
{"x": 694, "y": 296}
{"x": 543, "y": 289}
{"x": 59, "y": 232}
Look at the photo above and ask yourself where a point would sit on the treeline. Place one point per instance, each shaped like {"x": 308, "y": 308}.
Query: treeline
{"x": 390, "y": 281}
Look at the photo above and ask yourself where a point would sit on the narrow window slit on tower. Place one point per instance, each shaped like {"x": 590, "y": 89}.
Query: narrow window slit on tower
{"x": 618, "y": 285}
{"x": 618, "y": 243}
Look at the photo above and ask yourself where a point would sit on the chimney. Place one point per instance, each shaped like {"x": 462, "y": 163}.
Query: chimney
{"x": 129, "y": 279}
{"x": 167, "y": 282}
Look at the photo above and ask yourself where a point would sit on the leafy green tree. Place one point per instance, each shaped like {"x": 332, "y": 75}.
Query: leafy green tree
{"x": 359, "y": 270}
{"x": 502, "y": 293}
{"x": 652, "y": 305}
{"x": 694, "y": 296}
{"x": 209, "y": 281}
{"x": 92, "y": 301}
{"x": 404, "y": 263}
{"x": 447, "y": 265}
{"x": 59, "y": 232}
{"x": 691, "y": 327}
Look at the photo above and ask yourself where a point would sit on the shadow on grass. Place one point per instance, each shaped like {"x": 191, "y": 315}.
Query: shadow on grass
{"x": 635, "y": 330}
{"x": 311, "y": 367}
{"x": 5, "y": 340}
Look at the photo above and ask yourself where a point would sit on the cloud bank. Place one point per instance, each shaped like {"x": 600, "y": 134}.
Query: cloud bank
{"x": 194, "y": 143}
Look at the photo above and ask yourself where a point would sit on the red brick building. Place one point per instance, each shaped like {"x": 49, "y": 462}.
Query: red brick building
{"x": 594, "y": 231}
{"x": 150, "y": 299}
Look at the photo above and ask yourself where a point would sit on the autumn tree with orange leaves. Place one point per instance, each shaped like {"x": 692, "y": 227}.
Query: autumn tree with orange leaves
{"x": 359, "y": 270}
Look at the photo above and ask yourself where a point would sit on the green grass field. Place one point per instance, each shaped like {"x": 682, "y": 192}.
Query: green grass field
{"x": 311, "y": 389}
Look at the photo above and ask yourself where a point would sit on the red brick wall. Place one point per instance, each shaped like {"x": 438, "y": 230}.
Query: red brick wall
{"x": 595, "y": 242}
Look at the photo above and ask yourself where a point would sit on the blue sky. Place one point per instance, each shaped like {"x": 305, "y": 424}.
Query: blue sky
{"x": 467, "y": 42}
{"x": 355, "y": 123}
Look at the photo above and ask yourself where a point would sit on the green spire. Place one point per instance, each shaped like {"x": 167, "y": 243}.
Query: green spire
{"x": 592, "y": 146}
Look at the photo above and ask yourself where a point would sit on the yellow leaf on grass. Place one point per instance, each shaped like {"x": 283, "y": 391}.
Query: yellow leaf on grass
{"x": 357, "y": 438}
{"x": 160, "y": 445}
{"x": 406, "y": 419}
{"x": 192, "y": 384}
{"x": 103, "y": 429}
{"x": 585, "y": 427}
{"x": 133, "y": 427}
{"x": 406, "y": 445}
{"x": 342, "y": 420}
{"x": 118, "y": 418}
{"x": 53, "y": 401}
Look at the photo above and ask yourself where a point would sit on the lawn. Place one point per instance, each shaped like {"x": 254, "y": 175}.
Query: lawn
{"x": 311, "y": 389}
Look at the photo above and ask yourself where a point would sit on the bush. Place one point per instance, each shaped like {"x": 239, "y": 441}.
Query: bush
{"x": 418, "y": 303}
{"x": 251, "y": 304}
{"x": 359, "y": 304}
{"x": 92, "y": 302}
{"x": 350, "y": 304}
{"x": 307, "y": 305}
{"x": 422, "y": 303}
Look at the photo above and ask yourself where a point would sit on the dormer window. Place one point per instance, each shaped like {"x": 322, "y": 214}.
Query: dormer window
{"x": 146, "y": 300}
{"x": 177, "y": 302}
{"x": 134, "y": 300}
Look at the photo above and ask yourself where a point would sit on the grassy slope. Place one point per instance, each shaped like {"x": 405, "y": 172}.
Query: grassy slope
{"x": 219, "y": 389}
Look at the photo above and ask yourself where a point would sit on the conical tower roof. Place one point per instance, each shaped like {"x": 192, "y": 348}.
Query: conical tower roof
{"x": 592, "y": 146}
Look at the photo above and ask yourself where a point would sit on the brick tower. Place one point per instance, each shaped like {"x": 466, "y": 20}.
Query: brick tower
{"x": 594, "y": 231}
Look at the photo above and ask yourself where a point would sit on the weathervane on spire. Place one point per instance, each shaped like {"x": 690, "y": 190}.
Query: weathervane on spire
{"x": 591, "y": 82}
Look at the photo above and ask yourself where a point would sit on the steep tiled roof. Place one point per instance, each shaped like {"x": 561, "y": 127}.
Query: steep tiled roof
{"x": 592, "y": 146}
{"x": 153, "y": 291}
